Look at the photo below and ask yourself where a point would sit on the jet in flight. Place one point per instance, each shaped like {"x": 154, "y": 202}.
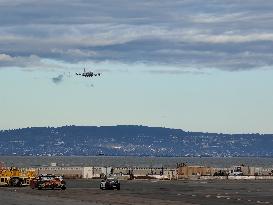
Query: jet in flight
{"x": 88, "y": 73}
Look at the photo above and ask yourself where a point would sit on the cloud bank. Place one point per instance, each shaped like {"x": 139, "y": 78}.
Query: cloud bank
{"x": 227, "y": 35}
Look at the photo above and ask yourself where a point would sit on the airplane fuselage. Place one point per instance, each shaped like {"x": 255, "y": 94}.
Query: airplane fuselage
{"x": 88, "y": 74}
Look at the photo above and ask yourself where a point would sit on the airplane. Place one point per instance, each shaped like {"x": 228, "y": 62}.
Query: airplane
{"x": 88, "y": 73}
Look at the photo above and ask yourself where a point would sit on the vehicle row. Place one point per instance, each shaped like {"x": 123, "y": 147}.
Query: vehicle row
{"x": 50, "y": 181}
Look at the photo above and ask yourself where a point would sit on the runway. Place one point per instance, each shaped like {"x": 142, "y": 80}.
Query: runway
{"x": 82, "y": 192}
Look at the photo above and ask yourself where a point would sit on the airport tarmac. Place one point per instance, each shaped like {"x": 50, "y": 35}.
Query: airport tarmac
{"x": 83, "y": 192}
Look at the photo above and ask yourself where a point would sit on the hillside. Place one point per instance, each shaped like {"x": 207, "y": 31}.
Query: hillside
{"x": 129, "y": 140}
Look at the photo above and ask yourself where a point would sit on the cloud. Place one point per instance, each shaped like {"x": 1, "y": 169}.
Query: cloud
{"x": 217, "y": 34}
{"x": 5, "y": 58}
{"x": 58, "y": 79}
{"x": 21, "y": 61}
{"x": 176, "y": 72}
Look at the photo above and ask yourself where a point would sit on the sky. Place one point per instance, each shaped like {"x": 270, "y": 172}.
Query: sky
{"x": 189, "y": 64}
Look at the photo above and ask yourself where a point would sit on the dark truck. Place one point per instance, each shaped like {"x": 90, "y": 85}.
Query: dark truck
{"x": 110, "y": 183}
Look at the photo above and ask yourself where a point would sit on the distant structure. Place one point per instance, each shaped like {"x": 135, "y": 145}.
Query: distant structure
{"x": 88, "y": 73}
{"x": 184, "y": 171}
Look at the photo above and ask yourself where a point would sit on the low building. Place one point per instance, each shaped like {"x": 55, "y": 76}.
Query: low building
{"x": 249, "y": 171}
{"x": 76, "y": 172}
{"x": 96, "y": 172}
{"x": 184, "y": 171}
{"x": 67, "y": 172}
{"x": 144, "y": 173}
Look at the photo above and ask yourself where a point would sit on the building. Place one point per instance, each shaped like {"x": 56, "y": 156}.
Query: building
{"x": 67, "y": 172}
{"x": 144, "y": 173}
{"x": 96, "y": 172}
{"x": 184, "y": 171}
{"x": 76, "y": 172}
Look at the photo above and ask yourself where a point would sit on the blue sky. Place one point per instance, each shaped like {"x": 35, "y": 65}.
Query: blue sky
{"x": 181, "y": 64}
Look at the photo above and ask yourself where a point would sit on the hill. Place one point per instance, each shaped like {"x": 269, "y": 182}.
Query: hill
{"x": 130, "y": 140}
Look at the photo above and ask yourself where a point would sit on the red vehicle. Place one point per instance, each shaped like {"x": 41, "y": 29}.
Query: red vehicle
{"x": 48, "y": 182}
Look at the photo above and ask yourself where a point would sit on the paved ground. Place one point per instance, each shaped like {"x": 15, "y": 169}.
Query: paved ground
{"x": 82, "y": 192}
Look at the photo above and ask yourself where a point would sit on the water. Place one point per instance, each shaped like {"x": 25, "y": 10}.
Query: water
{"x": 27, "y": 161}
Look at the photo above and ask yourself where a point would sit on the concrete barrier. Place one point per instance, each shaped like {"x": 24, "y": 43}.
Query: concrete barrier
{"x": 228, "y": 178}
{"x": 264, "y": 177}
{"x": 241, "y": 177}
{"x": 213, "y": 177}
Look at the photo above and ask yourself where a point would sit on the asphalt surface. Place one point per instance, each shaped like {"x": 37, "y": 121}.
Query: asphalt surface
{"x": 82, "y": 192}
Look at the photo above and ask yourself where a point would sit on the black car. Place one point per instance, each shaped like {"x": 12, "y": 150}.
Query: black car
{"x": 110, "y": 183}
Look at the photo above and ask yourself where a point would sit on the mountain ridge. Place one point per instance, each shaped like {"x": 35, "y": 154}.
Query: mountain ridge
{"x": 130, "y": 140}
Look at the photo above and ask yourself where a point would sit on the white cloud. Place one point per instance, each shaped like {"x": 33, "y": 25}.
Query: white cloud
{"x": 234, "y": 38}
{"x": 5, "y": 58}
{"x": 75, "y": 52}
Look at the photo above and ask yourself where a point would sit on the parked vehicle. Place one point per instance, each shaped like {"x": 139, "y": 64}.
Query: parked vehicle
{"x": 109, "y": 183}
{"x": 48, "y": 182}
{"x": 15, "y": 177}
{"x": 236, "y": 171}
